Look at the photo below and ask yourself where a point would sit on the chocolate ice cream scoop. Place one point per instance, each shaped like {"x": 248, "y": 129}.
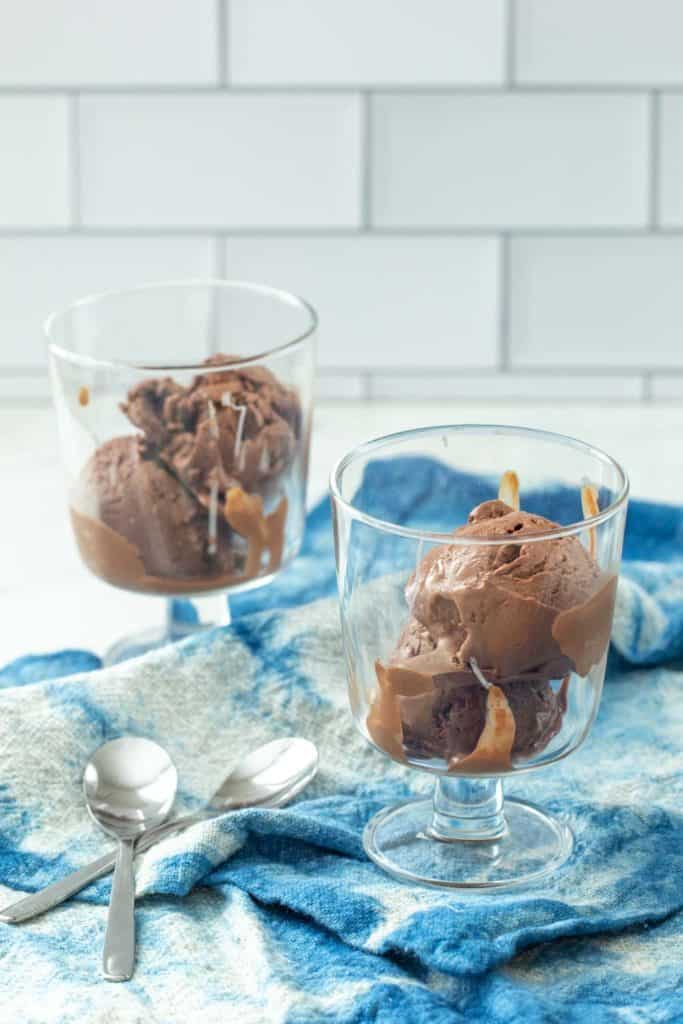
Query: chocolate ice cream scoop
{"x": 422, "y": 711}
{"x": 127, "y": 490}
{"x": 238, "y": 425}
{"x": 492, "y": 625}
{"x": 540, "y": 606}
{"x": 197, "y": 501}
{"x": 448, "y": 722}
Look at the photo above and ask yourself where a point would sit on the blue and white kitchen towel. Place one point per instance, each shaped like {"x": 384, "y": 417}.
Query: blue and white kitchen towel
{"x": 277, "y": 915}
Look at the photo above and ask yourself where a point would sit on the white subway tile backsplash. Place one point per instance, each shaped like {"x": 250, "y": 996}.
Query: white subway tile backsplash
{"x": 599, "y": 41}
{"x": 41, "y": 274}
{"x": 484, "y": 198}
{"x": 321, "y": 42}
{"x": 547, "y": 387}
{"x": 509, "y": 160}
{"x": 671, "y": 160}
{"x": 607, "y": 302}
{"x": 97, "y": 42}
{"x": 397, "y": 302}
{"x": 220, "y": 160}
{"x": 34, "y": 161}
{"x": 667, "y": 387}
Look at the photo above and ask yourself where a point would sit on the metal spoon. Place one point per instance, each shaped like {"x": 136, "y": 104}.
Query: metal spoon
{"x": 270, "y": 776}
{"x": 129, "y": 786}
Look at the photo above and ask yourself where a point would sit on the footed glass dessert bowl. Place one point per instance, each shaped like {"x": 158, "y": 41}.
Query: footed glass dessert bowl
{"x": 477, "y": 570}
{"x": 184, "y": 415}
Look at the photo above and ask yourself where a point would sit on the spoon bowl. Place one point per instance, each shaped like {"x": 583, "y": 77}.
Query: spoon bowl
{"x": 273, "y": 773}
{"x": 129, "y": 786}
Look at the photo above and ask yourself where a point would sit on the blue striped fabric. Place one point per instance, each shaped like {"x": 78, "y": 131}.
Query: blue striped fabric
{"x": 277, "y": 915}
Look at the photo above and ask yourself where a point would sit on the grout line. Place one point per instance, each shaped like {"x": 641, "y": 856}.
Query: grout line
{"x": 179, "y": 231}
{"x": 366, "y": 161}
{"x": 222, "y": 41}
{"x": 29, "y": 401}
{"x": 601, "y": 370}
{"x": 439, "y": 371}
{"x": 74, "y": 147}
{"x": 426, "y": 231}
{"x": 521, "y": 230}
{"x": 520, "y": 401}
{"x": 368, "y": 374}
{"x": 632, "y": 373}
{"x": 504, "y": 303}
{"x": 510, "y": 54}
{"x": 397, "y": 88}
{"x": 654, "y": 158}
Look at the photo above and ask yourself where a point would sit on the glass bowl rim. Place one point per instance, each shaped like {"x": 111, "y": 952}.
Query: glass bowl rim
{"x": 448, "y": 538}
{"x": 208, "y": 283}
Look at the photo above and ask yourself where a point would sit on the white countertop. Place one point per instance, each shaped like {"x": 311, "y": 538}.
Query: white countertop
{"x": 48, "y": 600}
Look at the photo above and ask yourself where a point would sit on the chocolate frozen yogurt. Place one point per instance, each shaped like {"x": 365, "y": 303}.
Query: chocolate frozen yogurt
{"x": 493, "y": 626}
{"x": 196, "y": 500}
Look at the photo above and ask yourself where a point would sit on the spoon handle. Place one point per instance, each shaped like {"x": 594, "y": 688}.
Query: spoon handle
{"x": 119, "y": 940}
{"x": 54, "y": 894}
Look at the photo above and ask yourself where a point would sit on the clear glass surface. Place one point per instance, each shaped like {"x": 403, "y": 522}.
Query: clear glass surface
{"x": 184, "y": 416}
{"x": 481, "y": 654}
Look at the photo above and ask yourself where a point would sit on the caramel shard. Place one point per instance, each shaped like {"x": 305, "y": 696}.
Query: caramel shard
{"x": 493, "y": 752}
{"x": 508, "y": 490}
{"x": 244, "y": 512}
{"x": 589, "y": 504}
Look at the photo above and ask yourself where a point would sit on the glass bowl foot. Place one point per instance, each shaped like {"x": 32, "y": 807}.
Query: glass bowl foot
{"x": 136, "y": 644}
{"x": 183, "y": 618}
{"x": 401, "y": 840}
